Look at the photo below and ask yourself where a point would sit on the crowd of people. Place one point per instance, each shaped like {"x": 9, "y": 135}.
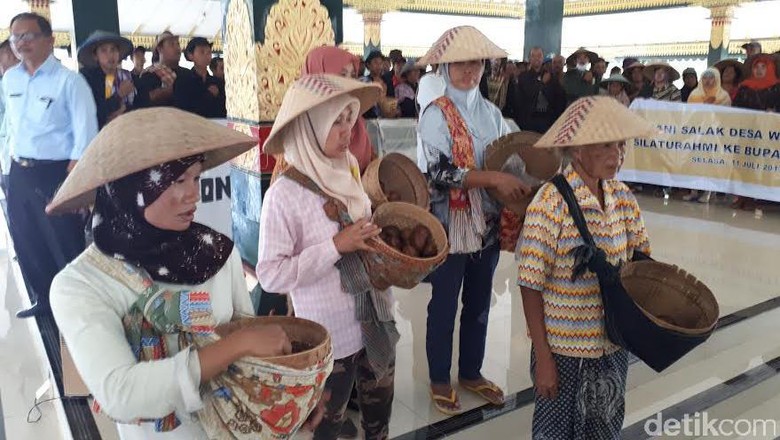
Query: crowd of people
{"x": 51, "y": 114}
{"x": 144, "y": 215}
{"x": 534, "y": 93}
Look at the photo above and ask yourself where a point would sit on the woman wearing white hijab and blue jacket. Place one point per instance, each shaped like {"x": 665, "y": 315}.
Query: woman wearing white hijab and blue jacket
{"x": 455, "y": 129}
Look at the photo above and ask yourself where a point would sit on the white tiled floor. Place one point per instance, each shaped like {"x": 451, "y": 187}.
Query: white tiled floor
{"x": 22, "y": 367}
{"x": 732, "y": 252}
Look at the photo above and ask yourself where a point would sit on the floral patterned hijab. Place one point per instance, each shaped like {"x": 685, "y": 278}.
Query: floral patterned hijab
{"x": 120, "y": 230}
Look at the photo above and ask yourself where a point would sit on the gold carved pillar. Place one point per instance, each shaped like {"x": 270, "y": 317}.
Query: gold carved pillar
{"x": 721, "y": 15}
{"x": 720, "y": 33}
{"x": 40, "y": 7}
{"x": 372, "y": 31}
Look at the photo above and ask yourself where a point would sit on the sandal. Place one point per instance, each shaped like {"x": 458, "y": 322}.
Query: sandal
{"x": 447, "y": 405}
{"x": 486, "y": 390}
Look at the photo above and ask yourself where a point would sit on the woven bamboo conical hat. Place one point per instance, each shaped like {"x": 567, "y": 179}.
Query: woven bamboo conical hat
{"x": 650, "y": 69}
{"x": 310, "y": 91}
{"x": 595, "y": 120}
{"x": 142, "y": 139}
{"x": 462, "y": 43}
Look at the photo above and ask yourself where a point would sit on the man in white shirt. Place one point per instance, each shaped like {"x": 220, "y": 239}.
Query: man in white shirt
{"x": 8, "y": 59}
{"x": 51, "y": 119}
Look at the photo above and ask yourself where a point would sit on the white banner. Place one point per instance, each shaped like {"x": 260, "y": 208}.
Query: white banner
{"x": 707, "y": 147}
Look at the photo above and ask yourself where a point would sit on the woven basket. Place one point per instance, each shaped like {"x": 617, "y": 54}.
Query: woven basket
{"x": 671, "y": 297}
{"x": 389, "y": 267}
{"x": 541, "y": 164}
{"x": 268, "y": 398}
{"x": 389, "y": 107}
{"x": 396, "y": 173}
{"x": 298, "y": 331}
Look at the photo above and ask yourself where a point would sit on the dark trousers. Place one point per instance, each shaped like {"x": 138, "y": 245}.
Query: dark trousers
{"x": 375, "y": 398}
{"x": 591, "y": 399}
{"x": 474, "y": 272}
{"x": 44, "y": 244}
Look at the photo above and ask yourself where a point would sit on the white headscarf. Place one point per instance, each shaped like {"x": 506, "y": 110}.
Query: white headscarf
{"x": 431, "y": 87}
{"x": 304, "y": 140}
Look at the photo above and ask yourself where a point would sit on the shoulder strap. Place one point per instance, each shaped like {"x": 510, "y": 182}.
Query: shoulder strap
{"x": 575, "y": 211}
{"x": 462, "y": 144}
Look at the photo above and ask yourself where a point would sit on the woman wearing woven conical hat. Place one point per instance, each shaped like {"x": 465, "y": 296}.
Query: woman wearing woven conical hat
{"x": 145, "y": 189}
{"x": 579, "y": 376}
{"x": 315, "y": 219}
{"x": 455, "y": 130}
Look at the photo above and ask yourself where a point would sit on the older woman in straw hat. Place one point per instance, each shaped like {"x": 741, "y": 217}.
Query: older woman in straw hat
{"x": 662, "y": 75}
{"x": 145, "y": 241}
{"x": 579, "y": 375}
{"x": 314, "y": 223}
{"x": 617, "y": 86}
{"x": 455, "y": 130}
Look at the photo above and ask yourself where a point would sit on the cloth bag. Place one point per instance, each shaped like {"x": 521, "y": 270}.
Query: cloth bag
{"x": 627, "y": 325}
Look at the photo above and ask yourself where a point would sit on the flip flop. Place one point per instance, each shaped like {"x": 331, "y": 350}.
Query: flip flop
{"x": 486, "y": 386}
{"x": 452, "y": 401}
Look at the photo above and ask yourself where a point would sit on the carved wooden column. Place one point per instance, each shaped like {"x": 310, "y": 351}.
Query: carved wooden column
{"x": 720, "y": 33}
{"x": 40, "y": 7}
{"x": 265, "y": 43}
{"x": 721, "y": 15}
{"x": 372, "y": 31}
{"x": 92, "y": 15}
{"x": 543, "y": 26}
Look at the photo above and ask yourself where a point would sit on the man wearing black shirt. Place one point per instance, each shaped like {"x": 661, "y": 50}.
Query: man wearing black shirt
{"x": 541, "y": 98}
{"x": 204, "y": 91}
{"x": 159, "y": 85}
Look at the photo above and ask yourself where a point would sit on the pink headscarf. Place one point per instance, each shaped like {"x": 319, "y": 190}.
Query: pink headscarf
{"x": 330, "y": 59}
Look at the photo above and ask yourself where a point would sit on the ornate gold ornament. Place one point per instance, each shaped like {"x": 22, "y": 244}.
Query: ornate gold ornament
{"x": 248, "y": 160}
{"x": 516, "y": 8}
{"x": 294, "y": 27}
{"x": 40, "y": 7}
{"x": 372, "y": 28}
{"x": 720, "y": 31}
{"x": 240, "y": 64}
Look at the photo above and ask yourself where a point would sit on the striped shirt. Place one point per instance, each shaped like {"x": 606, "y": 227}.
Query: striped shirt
{"x": 573, "y": 312}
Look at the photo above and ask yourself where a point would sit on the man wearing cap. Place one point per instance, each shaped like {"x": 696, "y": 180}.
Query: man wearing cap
{"x": 599, "y": 69}
{"x": 393, "y": 77}
{"x": 200, "y": 91}
{"x": 8, "y": 59}
{"x": 578, "y": 81}
{"x": 112, "y": 87}
{"x": 139, "y": 60}
{"x": 51, "y": 118}
{"x": 374, "y": 65}
{"x": 157, "y": 84}
{"x": 752, "y": 48}
{"x": 540, "y": 99}
{"x": 691, "y": 81}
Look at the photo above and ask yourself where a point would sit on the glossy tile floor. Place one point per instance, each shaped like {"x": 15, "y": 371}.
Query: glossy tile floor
{"x": 733, "y": 252}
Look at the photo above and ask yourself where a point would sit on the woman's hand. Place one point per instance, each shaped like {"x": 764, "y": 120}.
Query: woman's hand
{"x": 546, "y": 376}
{"x": 509, "y": 186}
{"x": 353, "y": 238}
{"x": 263, "y": 340}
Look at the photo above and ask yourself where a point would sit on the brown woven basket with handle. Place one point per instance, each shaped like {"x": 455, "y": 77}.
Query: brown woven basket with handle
{"x": 671, "y": 297}
{"x": 390, "y": 267}
{"x": 541, "y": 164}
{"x": 309, "y": 335}
{"x": 395, "y": 173}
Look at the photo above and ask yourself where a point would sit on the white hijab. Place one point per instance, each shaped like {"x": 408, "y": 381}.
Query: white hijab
{"x": 304, "y": 140}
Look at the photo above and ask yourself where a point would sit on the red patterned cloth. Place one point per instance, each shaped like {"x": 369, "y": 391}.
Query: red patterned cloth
{"x": 467, "y": 222}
